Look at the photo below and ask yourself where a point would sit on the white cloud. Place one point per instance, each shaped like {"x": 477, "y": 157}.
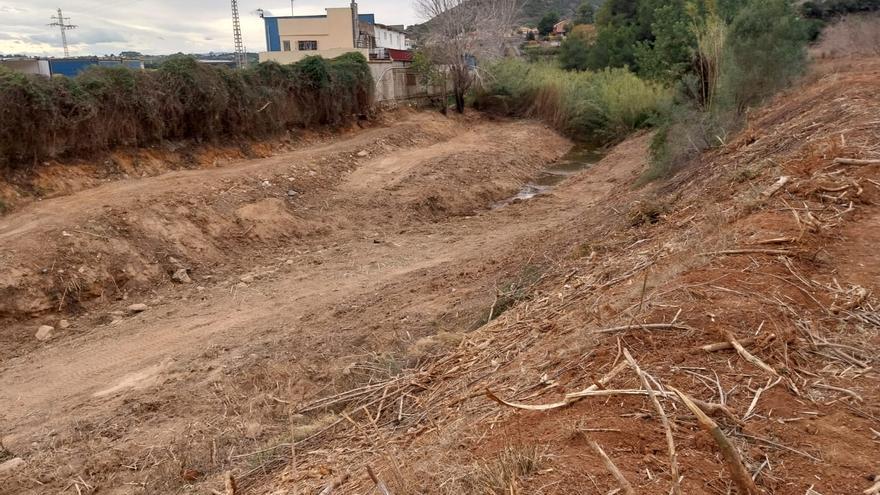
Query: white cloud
{"x": 158, "y": 26}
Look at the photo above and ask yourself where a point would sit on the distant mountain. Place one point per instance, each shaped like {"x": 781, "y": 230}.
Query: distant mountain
{"x": 532, "y": 11}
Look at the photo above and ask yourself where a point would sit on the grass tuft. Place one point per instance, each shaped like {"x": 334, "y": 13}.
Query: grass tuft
{"x": 500, "y": 476}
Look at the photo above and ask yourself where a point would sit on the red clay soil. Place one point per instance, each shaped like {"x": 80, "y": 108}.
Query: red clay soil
{"x": 793, "y": 276}
{"x": 362, "y": 323}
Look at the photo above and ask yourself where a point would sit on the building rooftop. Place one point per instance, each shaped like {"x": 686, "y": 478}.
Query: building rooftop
{"x": 368, "y": 18}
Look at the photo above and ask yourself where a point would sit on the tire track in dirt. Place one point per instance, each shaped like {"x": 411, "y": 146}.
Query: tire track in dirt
{"x": 66, "y": 375}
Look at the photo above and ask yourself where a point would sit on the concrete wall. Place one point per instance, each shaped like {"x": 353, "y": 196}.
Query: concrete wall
{"x": 38, "y": 67}
{"x": 396, "y": 81}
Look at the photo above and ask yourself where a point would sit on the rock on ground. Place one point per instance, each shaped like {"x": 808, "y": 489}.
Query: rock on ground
{"x": 181, "y": 276}
{"x": 45, "y": 333}
{"x": 137, "y": 308}
{"x": 10, "y": 466}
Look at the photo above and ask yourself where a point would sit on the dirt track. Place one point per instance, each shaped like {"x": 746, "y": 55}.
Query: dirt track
{"x": 386, "y": 249}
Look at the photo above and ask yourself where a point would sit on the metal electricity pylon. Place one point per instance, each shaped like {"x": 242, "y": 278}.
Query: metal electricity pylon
{"x": 61, "y": 22}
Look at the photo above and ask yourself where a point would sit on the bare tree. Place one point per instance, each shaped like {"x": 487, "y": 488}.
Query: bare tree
{"x": 460, "y": 32}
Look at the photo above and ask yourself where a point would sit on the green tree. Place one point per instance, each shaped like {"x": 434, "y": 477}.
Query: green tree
{"x": 765, "y": 51}
{"x": 585, "y": 14}
{"x": 545, "y": 25}
{"x": 728, "y": 9}
{"x": 614, "y": 47}
{"x": 426, "y": 70}
{"x": 669, "y": 54}
{"x": 623, "y": 25}
{"x": 574, "y": 54}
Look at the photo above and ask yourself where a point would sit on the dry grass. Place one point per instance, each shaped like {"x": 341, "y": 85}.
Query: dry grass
{"x": 647, "y": 212}
{"x": 303, "y": 427}
{"x": 501, "y": 475}
{"x": 852, "y": 36}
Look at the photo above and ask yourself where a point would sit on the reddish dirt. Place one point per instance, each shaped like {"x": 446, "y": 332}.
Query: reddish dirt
{"x": 347, "y": 327}
{"x": 382, "y": 215}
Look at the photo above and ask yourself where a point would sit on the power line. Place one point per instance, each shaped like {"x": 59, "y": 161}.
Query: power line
{"x": 240, "y": 57}
{"x": 61, "y": 22}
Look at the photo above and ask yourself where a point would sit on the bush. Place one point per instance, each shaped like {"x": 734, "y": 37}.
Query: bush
{"x": 574, "y": 53}
{"x": 104, "y": 107}
{"x": 828, "y": 9}
{"x": 761, "y": 52}
{"x": 765, "y": 51}
{"x": 685, "y": 133}
{"x": 603, "y": 105}
{"x": 541, "y": 53}
{"x": 546, "y": 24}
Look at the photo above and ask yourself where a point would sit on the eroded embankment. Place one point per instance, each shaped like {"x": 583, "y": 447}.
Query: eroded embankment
{"x": 126, "y": 238}
{"x": 388, "y": 285}
{"x": 725, "y": 251}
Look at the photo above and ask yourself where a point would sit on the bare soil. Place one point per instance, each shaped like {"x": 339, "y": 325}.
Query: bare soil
{"x": 353, "y": 301}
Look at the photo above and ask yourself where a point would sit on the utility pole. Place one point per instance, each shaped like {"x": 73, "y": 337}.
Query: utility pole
{"x": 61, "y": 22}
{"x": 240, "y": 57}
{"x": 291, "y": 8}
{"x": 355, "y": 24}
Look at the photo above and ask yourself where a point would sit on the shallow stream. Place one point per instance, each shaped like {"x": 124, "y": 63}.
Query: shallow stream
{"x": 580, "y": 158}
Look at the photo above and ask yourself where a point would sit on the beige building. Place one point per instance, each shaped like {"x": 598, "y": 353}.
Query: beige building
{"x": 292, "y": 38}
{"x": 342, "y": 30}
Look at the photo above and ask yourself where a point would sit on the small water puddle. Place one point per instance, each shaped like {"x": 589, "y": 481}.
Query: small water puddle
{"x": 580, "y": 158}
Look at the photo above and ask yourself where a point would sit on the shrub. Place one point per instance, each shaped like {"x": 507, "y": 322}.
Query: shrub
{"x": 736, "y": 66}
{"x": 764, "y": 52}
{"x": 574, "y": 53}
{"x": 104, "y": 107}
{"x": 603, "y": 105}
{"x": 684, "y": 134}
{"x": 828, "y": 9}
{"x": 540, "y": 53}
{"x": 546, "y": 24}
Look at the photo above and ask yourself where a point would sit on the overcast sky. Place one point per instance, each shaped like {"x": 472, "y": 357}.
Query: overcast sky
{"x": 158, "y": 26}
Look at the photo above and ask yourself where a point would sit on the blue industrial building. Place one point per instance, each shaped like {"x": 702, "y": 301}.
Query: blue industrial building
{"x": 71, "y": 67}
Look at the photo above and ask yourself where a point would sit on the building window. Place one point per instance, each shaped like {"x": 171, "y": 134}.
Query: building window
{"x": 286, "y": 45}
{"x": 307, "y": 46}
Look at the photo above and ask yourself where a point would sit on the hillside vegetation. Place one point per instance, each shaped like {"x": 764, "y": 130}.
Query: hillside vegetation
{"x": 534, "y": 10}
{"x": 691, "y": 69}
{"x": 104, "y": 107}
{"x": 594, "y": 106}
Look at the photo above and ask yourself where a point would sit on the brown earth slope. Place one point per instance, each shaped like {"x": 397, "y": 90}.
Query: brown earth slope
{"x": 331, "y": 252}
{"x": 714, "y": 255}
{"x": 344, "y": 324}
